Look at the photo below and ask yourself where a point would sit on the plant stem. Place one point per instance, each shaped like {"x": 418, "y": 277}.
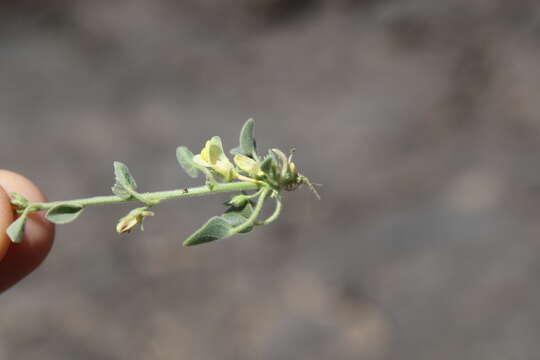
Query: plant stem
{"x": 251, "y": 220}
{"x": 150, "y": 197}
{"x": 275, "y": 214}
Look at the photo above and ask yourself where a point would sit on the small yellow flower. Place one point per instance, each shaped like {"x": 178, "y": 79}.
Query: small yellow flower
{"x": 247, "y": 165}
{"x": 128, "y": 222}
{"x": 213, "y": 156}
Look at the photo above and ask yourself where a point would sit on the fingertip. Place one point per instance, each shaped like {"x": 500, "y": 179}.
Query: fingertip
{"x": 22, "y": 258}
{"x": 14, "y": 182}
{"x": 6, "y": 218}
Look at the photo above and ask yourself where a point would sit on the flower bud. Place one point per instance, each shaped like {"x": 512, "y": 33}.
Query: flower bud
{"x": 238, "y": 201}
{"x": 132, "y": 219}
{"x": 247, "y": 165}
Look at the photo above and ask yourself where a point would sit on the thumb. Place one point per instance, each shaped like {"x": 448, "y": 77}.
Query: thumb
{"x": 21, "y": 259}
{"x": 6, "y": 218}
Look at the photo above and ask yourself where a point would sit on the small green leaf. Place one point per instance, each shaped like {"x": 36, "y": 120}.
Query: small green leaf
{"x": 185, "y": 159}
{"x": 15, "y": 231}
{"x": 216, "y": 228}
{"x": 236, "y": 217}
{"x": 124, "y": 181}
{"x": 268, "y": 165}
{"x": 245, "y": 211}
{"x": 247, "y": 142}
{"x": 120, "y": 190}
{"x": 63, "y": 213}
{"x": 123, "y": 175}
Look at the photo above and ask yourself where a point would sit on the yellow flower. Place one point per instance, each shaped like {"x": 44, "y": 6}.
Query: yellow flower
{"x": 128, "y": 222}
{"x": 247, "y": 165}
{"x": 213, "y": 156}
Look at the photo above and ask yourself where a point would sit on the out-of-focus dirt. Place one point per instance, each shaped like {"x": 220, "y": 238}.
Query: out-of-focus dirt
{"x": 420, "y": 118}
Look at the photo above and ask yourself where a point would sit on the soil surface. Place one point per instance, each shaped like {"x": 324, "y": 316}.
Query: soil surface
{"x": 420, "y": 118}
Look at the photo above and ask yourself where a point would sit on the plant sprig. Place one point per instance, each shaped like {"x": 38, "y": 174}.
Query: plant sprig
{"x": 253, "y": 179}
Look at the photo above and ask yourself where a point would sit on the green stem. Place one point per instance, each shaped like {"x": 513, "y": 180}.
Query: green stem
{"x": 251, "y": 219}
{"x": 150, "y": 197}
{"x": 275, "y": 214}
{"x": 254, "y": 195}
{"x": 135, "y": 195}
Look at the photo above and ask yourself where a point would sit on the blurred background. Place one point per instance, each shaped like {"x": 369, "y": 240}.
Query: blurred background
{"x": 420, "y": 118}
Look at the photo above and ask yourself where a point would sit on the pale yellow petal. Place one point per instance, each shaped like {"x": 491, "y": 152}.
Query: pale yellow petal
{"x": 245, "y": 163}
{"x": 214, "y": 154}
{"x": 215, "y": 150}
{"x": 198, "y": 159}
{"x": 205, "y": 152}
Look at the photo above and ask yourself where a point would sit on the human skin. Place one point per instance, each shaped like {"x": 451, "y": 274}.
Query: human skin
{"x": 18, "y": 260}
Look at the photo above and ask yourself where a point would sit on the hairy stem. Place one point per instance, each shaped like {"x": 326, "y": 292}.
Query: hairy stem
{"x": 150, "y": 197}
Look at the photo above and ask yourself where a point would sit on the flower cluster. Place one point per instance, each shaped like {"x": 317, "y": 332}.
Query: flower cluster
{"x": 213, "y": 157}
{"x": 252, "y": 178}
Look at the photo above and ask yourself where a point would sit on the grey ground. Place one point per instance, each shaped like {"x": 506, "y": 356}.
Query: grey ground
{"x": 421, "y": 118}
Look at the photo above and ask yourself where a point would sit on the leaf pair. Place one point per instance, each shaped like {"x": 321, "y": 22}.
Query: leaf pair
{"x": 58, "y": 214}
